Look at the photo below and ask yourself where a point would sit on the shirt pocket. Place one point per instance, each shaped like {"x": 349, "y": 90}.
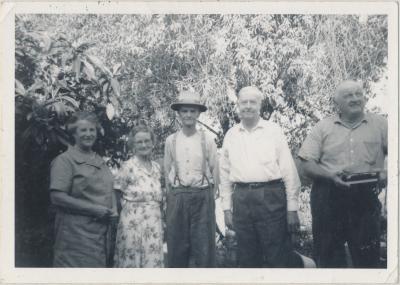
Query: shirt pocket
{"x": 371, "y": 151}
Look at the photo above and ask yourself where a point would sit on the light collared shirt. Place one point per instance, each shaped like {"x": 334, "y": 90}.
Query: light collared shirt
{"x": 336, "y": 147}
{"x": 259, "y": 155}
{"x": 189, "y": 157}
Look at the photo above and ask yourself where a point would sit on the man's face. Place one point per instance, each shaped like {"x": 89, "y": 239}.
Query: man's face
{"x": 249, "y": 104}
{"x": 189, "y": 115}
{"x": 350, "y": 99}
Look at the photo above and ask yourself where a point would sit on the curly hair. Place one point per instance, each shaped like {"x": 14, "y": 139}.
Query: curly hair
{"x": 141, "y": 128}
{"x": 80, "y": 116}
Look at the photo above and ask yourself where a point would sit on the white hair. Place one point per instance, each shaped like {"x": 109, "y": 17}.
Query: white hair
{"x": 251, "y": 89}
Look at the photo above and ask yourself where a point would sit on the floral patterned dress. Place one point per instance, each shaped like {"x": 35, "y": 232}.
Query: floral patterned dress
{"x": 139, "y": 241}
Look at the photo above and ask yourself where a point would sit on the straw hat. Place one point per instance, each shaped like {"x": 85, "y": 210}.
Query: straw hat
{"x": 188, "y": 98}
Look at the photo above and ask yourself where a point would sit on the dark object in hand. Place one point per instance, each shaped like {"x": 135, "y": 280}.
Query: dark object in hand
{"x": 361, "y": 178}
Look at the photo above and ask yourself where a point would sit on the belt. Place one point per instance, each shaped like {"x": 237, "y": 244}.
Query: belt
{"x": 189, "y": 188}
{"x": 254, "y": 185}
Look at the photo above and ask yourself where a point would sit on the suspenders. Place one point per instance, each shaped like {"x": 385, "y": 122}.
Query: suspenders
{"x": 204, "y": 159}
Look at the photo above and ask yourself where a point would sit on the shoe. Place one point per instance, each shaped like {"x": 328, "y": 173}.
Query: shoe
{"x": 307, "y": 261}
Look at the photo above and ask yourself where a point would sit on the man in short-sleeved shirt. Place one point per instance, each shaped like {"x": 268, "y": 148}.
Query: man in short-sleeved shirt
{"x": 350, "y": 142}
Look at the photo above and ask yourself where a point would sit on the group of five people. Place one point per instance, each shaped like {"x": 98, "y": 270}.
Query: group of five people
{"x": 258, "y": 182}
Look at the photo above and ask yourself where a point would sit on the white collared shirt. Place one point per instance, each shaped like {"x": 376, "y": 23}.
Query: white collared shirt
{"x": 259, "y": 155}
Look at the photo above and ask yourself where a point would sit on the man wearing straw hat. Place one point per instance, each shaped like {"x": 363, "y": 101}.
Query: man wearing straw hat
{"x": 190, "y": 161}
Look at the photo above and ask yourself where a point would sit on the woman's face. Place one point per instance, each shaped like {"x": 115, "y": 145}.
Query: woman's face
{"x": 143, "y": 144}
{"x": 85, "y": 134}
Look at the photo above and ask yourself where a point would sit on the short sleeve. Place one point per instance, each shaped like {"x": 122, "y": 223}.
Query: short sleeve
{"x": 312, "y": 145}
{"x": 61, "y": 174}
{"x": 120, "y": 181}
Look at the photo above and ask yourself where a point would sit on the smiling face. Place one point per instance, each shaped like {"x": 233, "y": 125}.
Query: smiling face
{"x": 189, "y": 115}
{"x": 349, "y": 99}
{"x": 249, "y": 104}
{"x": 143, "y": 144}
{"x": 85, "y": 135}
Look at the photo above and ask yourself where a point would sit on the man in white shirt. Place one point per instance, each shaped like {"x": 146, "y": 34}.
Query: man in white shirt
{"x": 190, "y": 161}
{"x": 259, "y": 188}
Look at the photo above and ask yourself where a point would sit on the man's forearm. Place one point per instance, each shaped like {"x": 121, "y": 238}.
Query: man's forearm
{"x": 312, "y": 170}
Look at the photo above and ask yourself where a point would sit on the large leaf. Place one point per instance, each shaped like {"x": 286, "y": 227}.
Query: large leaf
{"x": 115, "y": 86}
{"x": 71, "y": 100}
{"x": 76, "y": 67}
{"x": 59, "y": 107}
{"x": 89, "y": 70}
{"x": 116, "y": 67}
{"x": 105, "y": 88}
{"x": 46, "y": 42}
{"x": 110, "y": 111}
{"x": 99, "y": 64}
{"x": 36, "y": 86}
{"x": 115, "y": 103}
{"x": 19, "y": 88}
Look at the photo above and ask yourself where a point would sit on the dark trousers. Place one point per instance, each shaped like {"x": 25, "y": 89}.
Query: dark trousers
{"x": 260, "y": 222}
{"x": 191, "y": 227}
{"x": 340, "y": 216}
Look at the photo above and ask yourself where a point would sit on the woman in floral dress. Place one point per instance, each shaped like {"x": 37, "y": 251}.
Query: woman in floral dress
{"x": 139, "y": 241}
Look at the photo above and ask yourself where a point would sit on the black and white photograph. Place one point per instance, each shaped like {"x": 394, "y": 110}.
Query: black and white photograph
{"x": 199, "y": 142}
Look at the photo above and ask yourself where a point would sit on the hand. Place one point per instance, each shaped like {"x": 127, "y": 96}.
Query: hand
{"x": 101, "y": 212}
{"x": 337, "y": 180}
{"x": 293, "y": 222}
{"x": 228, "y": 219}
{"x": 113, "y": 217}
{"x": 382, "y": 178}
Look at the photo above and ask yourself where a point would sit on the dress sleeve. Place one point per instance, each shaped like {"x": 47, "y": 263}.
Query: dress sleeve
{"x": 61, "y": 174}
{"x": 119, "y": 178}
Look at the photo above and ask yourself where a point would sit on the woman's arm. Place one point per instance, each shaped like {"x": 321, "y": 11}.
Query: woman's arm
{"x": 63, "y": 200}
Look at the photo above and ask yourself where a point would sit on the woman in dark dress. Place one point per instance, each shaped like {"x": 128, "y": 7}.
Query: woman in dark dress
{"x": 81, "y": 188}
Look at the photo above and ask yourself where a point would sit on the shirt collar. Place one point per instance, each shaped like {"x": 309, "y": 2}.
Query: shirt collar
{"x": 260, "y": 125}
{"x": 80, "y": 159}
{"x": 338, "y": 120}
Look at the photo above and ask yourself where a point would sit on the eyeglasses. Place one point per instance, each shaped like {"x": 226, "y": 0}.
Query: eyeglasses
{"x": 143, "y": 142}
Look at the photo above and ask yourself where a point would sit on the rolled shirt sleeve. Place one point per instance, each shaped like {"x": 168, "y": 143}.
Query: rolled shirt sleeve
{"x": 61, "y": 174}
